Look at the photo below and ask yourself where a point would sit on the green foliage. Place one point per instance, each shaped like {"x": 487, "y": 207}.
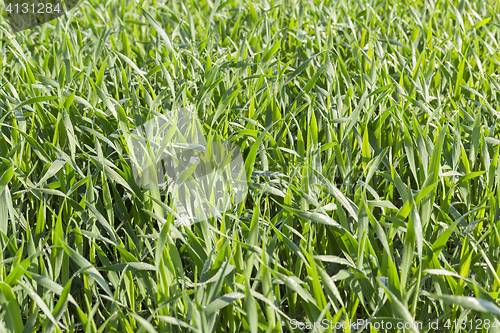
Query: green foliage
{"x": 370, "y": 134}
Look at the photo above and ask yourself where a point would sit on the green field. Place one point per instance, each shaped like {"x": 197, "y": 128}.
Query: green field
{"x": 371, "y": 138}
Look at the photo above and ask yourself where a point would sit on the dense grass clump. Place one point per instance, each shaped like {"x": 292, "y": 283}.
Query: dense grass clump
{"x": 371, "y": 141}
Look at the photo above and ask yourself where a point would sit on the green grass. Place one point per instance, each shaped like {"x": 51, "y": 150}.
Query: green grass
{"x": 371, "y": 138}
